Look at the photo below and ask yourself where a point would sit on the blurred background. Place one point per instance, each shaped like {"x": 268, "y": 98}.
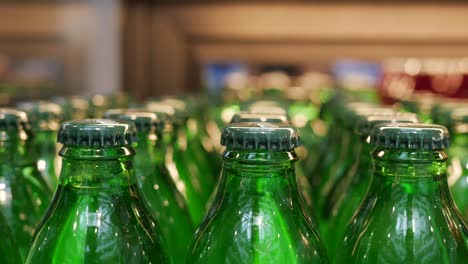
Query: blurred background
{"x": 149, "y": 48}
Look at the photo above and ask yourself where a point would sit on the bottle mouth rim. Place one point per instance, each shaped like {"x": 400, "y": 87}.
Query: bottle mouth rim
{"x": 260, "y": 156}
{"x": 408, "y": 155}
{"x": 96, "y": 152}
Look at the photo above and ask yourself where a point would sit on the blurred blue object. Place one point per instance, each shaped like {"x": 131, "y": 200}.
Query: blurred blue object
{"x": 214, "y": 74}
{"x": 356, "y": 74}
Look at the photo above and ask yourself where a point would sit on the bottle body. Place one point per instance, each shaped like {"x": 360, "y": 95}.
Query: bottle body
{"x": 48, "y": 162}
{"x": 458, "y": 173}
{"x": 97, "y": 215}
{"x": 164, "y": 201}
{"x": 25, "y": 195}
{"x": 188, "y": 180}
{"x": 346, "y": 198}
{"x": 256, "y": 216}
{"x": 9, "y": 252}
{"x": 407, "y": 215}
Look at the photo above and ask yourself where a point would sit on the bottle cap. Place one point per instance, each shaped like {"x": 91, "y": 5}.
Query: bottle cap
{"x": 352, "y": 111}
{"x": 97, "y": 133}
{"x": 144, "y": 121}
{"x": 260, "y": 136}
{"x": 367, "y": 122}
{"x": 114, "y": 113}
{"x": 410, "y": 136}
{"x": 274, "y": 110}
{"x": 43, "y": 115}
{"x": 243, "y": 117}
{"x": 258, "y": 103}
{"x": 12, "y": 120}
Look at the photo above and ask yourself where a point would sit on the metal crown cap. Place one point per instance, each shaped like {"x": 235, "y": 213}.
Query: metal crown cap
{"x": 243, "y": 117}
{"x": 144, "y": 120}
{"x": 410, "y": 136}
{"x": 13, "y": 120}
{"x": 260, "y": 136}
{"x": 43, "y": 115}
{"x": 267, "y": 109}
{"x": 97, "y": 133}
{"x": 367, "y": 122}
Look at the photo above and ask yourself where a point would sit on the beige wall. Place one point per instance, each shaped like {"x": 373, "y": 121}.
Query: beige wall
{"x": 85, "y": 36}
{"x": 301, "y": 33}
{"x": 163, "y": 45}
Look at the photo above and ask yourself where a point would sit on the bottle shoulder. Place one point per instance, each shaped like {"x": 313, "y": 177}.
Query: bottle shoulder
{"x": 411, "y": 228}
{"x": 108, "y": 226}
{"x": 264, "y": 229}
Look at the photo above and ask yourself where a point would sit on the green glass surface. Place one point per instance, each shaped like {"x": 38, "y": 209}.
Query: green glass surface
{"x": 24, "y": 195}
{"x": 304, "y": 116}
{"x": 190, "y": 180}
{"x": 165, "y": 202}
{"x": 345, "y": 150}
{"x": 197, "y": 121}
{"x": 45, "y": 118}
{"x": 195, "y": 152}
{"x": 408, "y": 215}
{"x": 304, "y": 185}
{"x": 97, "y": 214}
{"x": 9, "y": 251}
{"x": 346, "y": 198}
{"x": 349, "y": 191}
{"x": 47, "y": 160}
{"x": 326, "y": 158}
{"x": 189, "y": 139}
{"x": 170, "y": 156}
{"x": 458, "y": 171}
{"x": 257, "y": 215}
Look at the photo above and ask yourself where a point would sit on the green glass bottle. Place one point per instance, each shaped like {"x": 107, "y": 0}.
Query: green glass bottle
{"x": 164, "y": 200}
{"x": 458, "y": 161}
{"x": 351, "y": 189}
{"x": 257, "y": 215}
{"x": 24, "y": 194}
{"x": 73, "y": 107}
{"x": 189, "y": 134}
{"x": 222, "y": 111}
{"x": 193, "y": 188}
{"x": 45, "y": 118}
{"x": 422, "y": 103}
{"x": 98, "y": 104}
{"x": 97, "y": 215}
{"x": 441, "y": 113}
{"x": 407, "y": 215}
{"x": 8, "y": 249}
{"x": 302, "y": 181}
{"x": 304, "y": 116}
{"x": 345, "y": 151}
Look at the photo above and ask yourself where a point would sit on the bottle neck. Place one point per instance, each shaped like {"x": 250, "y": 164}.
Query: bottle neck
{"x": 165, "y": 139}
{"x": 98, "y": 168}
{"x": 410, "y": 164}
{"x": 179, "y": 137}
{"x": 18, "y": 146}
{"x": 145, "y": 157}
{"x": 259, "y": 172}
{"x": 410, "y": 173}
{"x": 45, "y": 142}
{"x": 363, "y": 160}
